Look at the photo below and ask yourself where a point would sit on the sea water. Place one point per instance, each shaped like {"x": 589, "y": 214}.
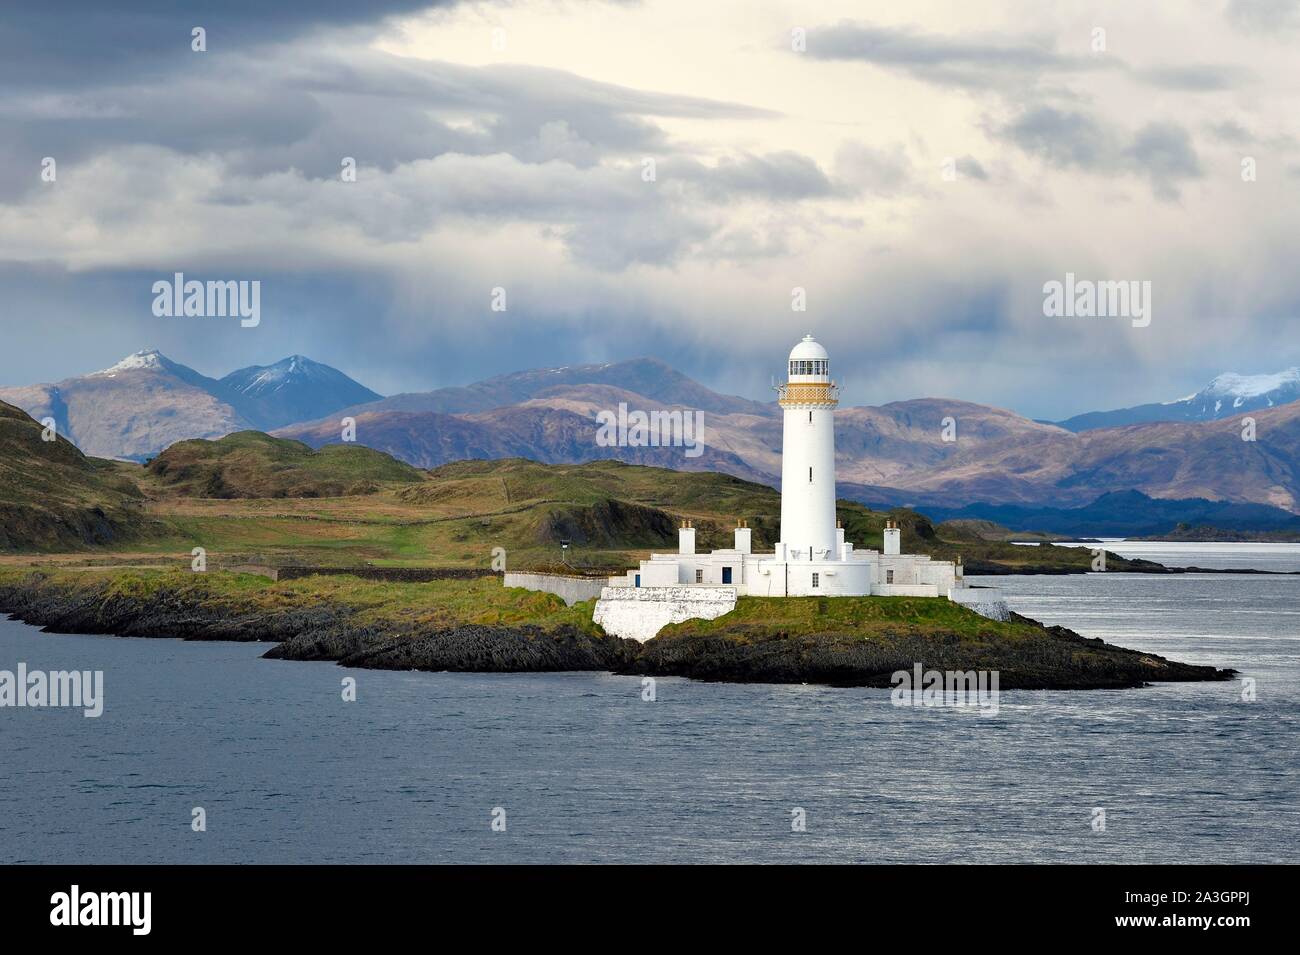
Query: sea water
{"x": 580, "y": 767}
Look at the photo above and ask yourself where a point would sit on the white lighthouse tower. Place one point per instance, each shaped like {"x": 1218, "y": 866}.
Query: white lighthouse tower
{"x": 811, "y": 558}
{"x": 808, "y": 399}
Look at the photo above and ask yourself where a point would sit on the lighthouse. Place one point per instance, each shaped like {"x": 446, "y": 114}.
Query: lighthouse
{"x": 810, "y": 559}
{"x": 808, "y": 399}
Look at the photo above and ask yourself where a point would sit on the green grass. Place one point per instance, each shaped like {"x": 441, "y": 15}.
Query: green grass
{"x": 758, "y": 618}
{"x": 52, "y": 497}
{"x": 390, "y": 604}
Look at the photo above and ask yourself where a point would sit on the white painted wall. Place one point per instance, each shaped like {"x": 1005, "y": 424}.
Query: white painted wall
{"x": 985, "y": 601}
{"x": 639, "y": 613}
{"x": 572, "y": 589}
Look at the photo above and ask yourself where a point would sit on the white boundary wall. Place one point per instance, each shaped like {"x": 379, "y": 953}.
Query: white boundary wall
{"x": 571, "y": 589}
{"x": 641, "y": 612}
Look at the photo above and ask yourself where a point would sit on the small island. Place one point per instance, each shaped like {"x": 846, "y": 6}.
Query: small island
{"x": 477, "y": 625}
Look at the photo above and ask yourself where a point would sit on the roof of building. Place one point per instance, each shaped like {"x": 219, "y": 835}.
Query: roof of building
{"x": 808, "y": 349}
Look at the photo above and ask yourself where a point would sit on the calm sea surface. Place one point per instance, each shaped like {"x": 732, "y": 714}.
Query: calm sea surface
{"x": 587, "y": 771}
{"x": 1224, "y": 556}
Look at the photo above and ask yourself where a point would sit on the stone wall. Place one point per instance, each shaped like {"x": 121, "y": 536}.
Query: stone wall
{"x": 415, "y": 575}
{"x": 641, "y": 612}
{"x": 571, "y": 589}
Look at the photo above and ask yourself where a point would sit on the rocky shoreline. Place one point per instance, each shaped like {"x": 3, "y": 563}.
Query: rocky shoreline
{"x": 1048, "y": 658}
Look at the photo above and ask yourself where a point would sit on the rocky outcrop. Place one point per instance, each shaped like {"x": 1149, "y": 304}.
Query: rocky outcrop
{"x": 159, "y": 614}
{"x": 474, "y": 649}
{"x": 1058, "y": 659}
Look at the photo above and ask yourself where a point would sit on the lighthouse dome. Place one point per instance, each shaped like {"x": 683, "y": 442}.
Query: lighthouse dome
{"x": 809, "y": 359}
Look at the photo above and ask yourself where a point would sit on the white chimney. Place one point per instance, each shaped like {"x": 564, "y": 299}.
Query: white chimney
{"x": 839, "y": 537}
{"x": 686, "y": 539}
{"x": 893, "y": 539}
{"x": 743, "y": 538}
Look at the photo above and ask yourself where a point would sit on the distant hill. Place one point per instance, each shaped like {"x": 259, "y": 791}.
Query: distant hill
{"x": 647, "y": 377}
{"x": 146, "y": 402}
{"x": 1119, "y": 514}
{"x": 1227, "y": 395}
{"x": 974, "y": 529}
{"x": 293, "y": 389}
{"x": 250, "y": 464}
{"x": 541, "y": 432}
{"x": 53, "y": 497}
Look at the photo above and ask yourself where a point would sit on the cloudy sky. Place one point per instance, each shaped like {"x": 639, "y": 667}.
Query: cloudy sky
{"x": 920, "y": 169}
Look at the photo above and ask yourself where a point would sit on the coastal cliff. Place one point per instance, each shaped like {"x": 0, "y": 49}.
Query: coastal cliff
{"x": 480, "y": 626}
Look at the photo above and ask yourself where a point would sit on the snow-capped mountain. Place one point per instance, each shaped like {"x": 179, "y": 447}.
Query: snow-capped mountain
{"x": 293, "y": 389}
{"x": 1228, "y": 394}
{"x": 146, "y": 402}
{"x": 147, "y": 358}
{"x": 132, "y": 409}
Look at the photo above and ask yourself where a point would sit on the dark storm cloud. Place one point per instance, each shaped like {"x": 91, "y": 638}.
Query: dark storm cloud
{"x": 75, "y": 42}
{"x": 971, "y": 167}
{"x": 305, "y": 108}
{"x": 999, "y": 63}
{"x": 1197, "y": 78}
{"x": 1161, "y": 152}
{"x": 1063, "y": 138}
{"x": 775, "y": 176}
{"x": 1231, "y": 131}
{"x": 983, "y": 62}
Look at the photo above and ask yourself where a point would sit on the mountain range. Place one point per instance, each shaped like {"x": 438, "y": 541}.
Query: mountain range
{"x": 933, "y": 453}
{"x": 1126, "y": 514}
{"x": 1227, "y": 395}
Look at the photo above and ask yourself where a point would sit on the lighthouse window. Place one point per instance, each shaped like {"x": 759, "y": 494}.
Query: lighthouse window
{"x": 810, "y": 475}
{"x": 810, "y": 417}
{"x": 816, "y": 580}
{"x": 699, "y": 575}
